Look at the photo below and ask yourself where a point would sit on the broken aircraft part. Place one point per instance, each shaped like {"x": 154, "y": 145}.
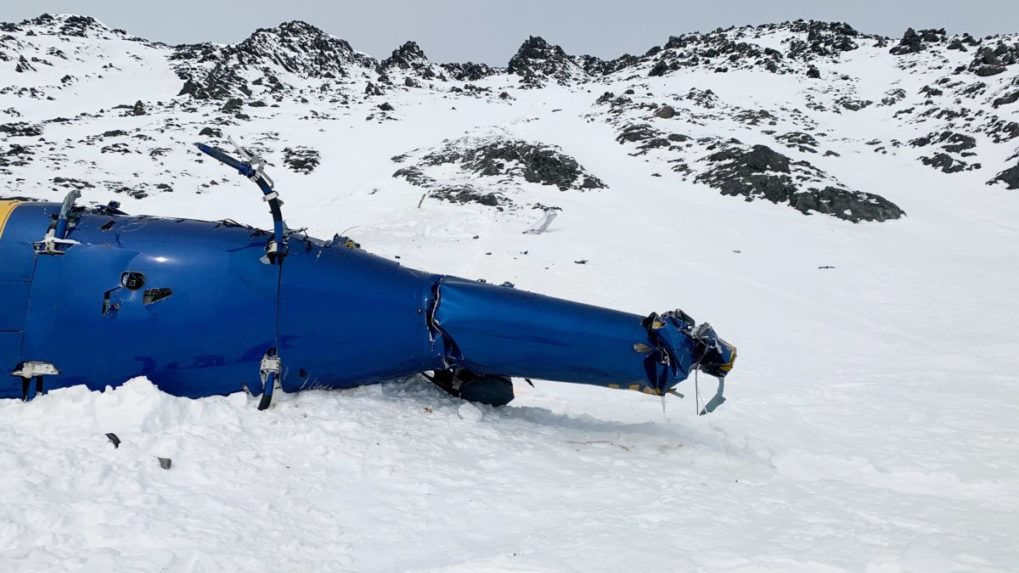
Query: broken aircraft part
{"x": 205, "y": 308}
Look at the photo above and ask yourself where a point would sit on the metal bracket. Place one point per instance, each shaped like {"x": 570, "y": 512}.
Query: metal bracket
{"x": 56, "y": 242}
{"x": 269, "y": 372}
{"x": 51, "y": 245}
{"x": 252, "y": 167}
{"x": 30, "y": 370}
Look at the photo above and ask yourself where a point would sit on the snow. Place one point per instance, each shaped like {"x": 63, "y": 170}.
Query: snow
{"x": 871, "y": 423}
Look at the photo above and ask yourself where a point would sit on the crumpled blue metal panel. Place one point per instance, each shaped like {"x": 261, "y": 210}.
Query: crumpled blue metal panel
{"x": 349, "y": 318}
{"x": 206, "y": 338}
{"x": 501, "y": 330}
{"x": 205, "y": 306}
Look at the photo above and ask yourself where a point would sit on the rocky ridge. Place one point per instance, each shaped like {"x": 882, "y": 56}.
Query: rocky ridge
{"x": 963, "y": 118}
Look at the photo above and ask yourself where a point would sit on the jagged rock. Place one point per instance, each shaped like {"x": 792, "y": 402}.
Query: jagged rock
{"x": 468, "y": 71}
{"x": 1006, "y": 99}
{"x": 211, "y": 132}
{"x": 537, "y": 60}
{"x": 121, "y": 148}
{"x": 385, "y": 106}
{"x": 372, "y": 90}
{"x": 913, "y": 42}
{"x": 301, "y": 159}
{"x": 20, "y": 129}
{"x": 666, "y": 112}
{"x": 23, "y": 65}
{"x": 68, "y": 25}
{"x": 823, "y": 39}
{"x": 760, "y": 172}
{"x": 535, "y": 162}
{"x": 599, "y": 67}
{"x": 993, "y": 61}
{"x": 950, "y": 141}
{"x": 494, "y": 161}
{"x": 893, "y": 96}
{"x": 648, "y": 138}
{"x": 70, "y": 183}
{"x": 947, "y": 164}
{"x": 1010, "y": 177}
{"x": 16, "y": 156}
{"x": 216, "y": 72}
{"x": 798, "y": 140}
{"x": 138, "y": 108}
{"x": 853, "y": 104}
{"x": 813, "y": 72}
{"x": 659, "y": 69}
{"x": 755, "y": 117}
{"x": 468, "y": 194}
{"x": 232, "y": 105}
{"x": 405, "y": 57}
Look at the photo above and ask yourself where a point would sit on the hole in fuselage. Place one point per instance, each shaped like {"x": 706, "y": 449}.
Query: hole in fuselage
{"x": 156, "y": 294}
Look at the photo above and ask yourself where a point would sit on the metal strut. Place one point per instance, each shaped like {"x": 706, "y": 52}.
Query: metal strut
{"x": 34, "y": 371}
{"x": 269, "y": 371}
{"x": 252, "y": 167}
{"x": 55, "y": 242}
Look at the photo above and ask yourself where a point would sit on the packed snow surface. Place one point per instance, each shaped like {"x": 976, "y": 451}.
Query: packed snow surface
{"x": 872, "y": 421}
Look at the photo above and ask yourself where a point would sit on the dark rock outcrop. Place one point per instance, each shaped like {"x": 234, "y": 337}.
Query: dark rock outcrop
{"x": 503, "y": 160}
{"x": 760, "y": 172}
{"x": 990, "y": 61}
{"x": 215, "y": 72}
{"x": 537, "y": 61}
{"x": 20, "y": 129}
{"x": 1010, "y": 177}
{"x": 301, "y": 159}
{"x": 405, "y": 57}
{"x": 913, "y": 41}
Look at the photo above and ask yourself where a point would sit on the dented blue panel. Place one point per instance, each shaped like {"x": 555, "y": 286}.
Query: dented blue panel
{"x": 349, "y": 318}
{"x": 517, "y": 333}
{"x": 206, "y": 336}
{"x": 200, "y": 308}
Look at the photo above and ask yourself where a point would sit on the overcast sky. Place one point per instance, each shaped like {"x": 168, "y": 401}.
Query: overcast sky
{"x": 491, "y": 32}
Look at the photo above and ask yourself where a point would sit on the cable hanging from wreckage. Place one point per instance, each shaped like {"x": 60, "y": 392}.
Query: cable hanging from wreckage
{"x": 96, "y": 297}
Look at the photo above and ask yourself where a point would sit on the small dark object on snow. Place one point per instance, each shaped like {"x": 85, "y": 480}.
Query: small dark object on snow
{"x": 385, "y": 106}
{"x": 113, "y": 438}
{"x": 165, "y": 463}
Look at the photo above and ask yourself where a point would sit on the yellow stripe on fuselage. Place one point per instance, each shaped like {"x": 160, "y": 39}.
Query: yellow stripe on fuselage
{"x": 6, "y": 208}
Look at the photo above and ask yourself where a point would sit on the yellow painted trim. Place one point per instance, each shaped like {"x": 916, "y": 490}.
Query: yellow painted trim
{"x": 6, "y": 208}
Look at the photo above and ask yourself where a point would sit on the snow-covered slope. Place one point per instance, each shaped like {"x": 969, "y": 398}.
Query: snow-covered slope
{"x": 842, "y": 207}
